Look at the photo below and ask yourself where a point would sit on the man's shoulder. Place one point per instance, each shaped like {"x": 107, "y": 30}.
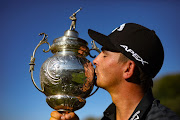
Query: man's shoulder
{"x": 160, "y": 112}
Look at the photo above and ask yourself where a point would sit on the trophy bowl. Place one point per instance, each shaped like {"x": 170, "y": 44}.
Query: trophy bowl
{"x": 67, "y": 77}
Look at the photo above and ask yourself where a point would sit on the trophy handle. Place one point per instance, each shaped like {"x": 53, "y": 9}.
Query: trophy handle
{"x": 44, "y": 40}
{"x": 94, "y": 47}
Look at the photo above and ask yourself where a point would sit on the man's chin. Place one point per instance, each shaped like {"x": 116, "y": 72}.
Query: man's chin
{"x": 98, "y": 84}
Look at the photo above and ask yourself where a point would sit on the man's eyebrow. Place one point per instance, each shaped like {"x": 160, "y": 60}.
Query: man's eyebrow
{"x": 105, "y": 51}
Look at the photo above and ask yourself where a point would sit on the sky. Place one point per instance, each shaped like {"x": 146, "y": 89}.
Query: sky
{"x": 22, "y": 20}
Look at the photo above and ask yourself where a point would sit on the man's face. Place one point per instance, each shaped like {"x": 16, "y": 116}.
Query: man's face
{"x": 108, "y": 69}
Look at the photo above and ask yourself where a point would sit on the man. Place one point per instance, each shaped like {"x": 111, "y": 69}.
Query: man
{"x": 73, "y": 24}
{"x": 131, "y": 56}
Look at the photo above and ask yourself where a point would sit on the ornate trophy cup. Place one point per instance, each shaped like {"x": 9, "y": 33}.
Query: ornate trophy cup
{"x": 67, "y": 78}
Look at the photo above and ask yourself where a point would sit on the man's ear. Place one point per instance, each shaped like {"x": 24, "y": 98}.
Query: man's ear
{"x": 129, "y": 69}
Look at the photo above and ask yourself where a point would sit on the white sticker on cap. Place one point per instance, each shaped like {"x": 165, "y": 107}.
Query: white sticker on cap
{"x": 120, "y": 28}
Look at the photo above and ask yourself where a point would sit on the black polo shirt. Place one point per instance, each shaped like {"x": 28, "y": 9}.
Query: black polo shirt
{"x": 148, "y": 109}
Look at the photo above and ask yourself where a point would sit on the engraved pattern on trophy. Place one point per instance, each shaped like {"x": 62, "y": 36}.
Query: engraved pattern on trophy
{"x": 67, "y": 78}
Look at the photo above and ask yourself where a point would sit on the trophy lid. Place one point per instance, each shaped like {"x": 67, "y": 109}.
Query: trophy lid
{"x": 70, "y": 42}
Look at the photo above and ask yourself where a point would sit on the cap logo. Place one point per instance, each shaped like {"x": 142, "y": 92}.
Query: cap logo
{"x": 119, "y": 28}
{"x": 135, "y": 55}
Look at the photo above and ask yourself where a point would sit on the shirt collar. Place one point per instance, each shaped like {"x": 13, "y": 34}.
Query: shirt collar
{"x": 140, "y": 111}
{"x": 110, "y": 112}
{"x": 143, "y": 107}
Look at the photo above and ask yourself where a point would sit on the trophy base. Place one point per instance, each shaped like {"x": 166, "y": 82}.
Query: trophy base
{"x": 65, "y": 103}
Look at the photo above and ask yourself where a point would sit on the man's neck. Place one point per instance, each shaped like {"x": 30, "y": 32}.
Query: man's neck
{"x": 126, "y": 98}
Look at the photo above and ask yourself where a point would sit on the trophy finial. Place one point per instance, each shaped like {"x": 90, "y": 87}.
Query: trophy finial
{"x": 73, "y": 18}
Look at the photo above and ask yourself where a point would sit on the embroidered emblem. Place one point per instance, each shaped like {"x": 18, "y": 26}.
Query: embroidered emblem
{"x": 135, "y": 55}
{"x": 120, "y": 28}
{"x": 135, "y": 116}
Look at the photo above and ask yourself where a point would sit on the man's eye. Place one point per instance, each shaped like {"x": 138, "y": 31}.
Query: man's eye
{"x": 104, "y": 56}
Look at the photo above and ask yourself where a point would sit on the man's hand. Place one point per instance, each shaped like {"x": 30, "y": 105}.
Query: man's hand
{"x": 55, "y": 115}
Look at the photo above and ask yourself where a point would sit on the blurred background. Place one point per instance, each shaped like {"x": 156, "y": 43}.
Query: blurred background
{"x": 22, "y": 20}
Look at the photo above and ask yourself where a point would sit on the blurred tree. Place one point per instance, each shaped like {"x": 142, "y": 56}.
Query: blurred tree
{"x": 167, "y": 90}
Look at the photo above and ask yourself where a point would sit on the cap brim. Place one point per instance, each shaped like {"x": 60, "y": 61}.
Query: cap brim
{"x": 101, "y": 39}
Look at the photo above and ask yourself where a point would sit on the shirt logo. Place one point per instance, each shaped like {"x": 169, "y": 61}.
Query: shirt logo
{"x": 135, "y": 55}
{"x": 135, "y": 116}
{"x": 120, "y": 28}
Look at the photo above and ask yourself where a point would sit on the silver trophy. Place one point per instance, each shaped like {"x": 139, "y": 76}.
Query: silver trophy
{"x": 67, "y": 78}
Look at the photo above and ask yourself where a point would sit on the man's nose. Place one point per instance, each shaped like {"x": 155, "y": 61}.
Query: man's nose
{"x": 95, "y": 61}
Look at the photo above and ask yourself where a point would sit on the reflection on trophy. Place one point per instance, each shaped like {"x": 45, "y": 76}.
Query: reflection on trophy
{"x": 67, "y": 78}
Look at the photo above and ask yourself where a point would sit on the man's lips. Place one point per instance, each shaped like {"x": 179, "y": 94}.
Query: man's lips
{"x": 96, "y": 71}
